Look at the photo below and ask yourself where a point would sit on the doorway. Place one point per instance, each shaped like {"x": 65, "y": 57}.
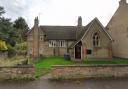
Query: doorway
{"x": 78, "y": 51}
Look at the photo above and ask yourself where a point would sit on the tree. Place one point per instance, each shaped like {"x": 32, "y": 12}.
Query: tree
{"x": 6, "y": 26}
{"x": 1, "y": 10}
{"x": 7, "y": 31}
{"x": 21, "y": 29}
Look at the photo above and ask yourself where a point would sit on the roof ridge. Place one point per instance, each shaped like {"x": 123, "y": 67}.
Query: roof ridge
{"x": 56, "y": 26}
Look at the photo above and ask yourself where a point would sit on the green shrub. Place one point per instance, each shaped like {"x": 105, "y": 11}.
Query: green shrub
{"x": 3, "y": 45}
{"x": 11, "y": 51}
{"x": 21, "y": 46}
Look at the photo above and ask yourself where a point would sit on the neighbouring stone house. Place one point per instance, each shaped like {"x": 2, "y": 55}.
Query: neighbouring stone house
{"x": 118, "y": 29}
{"x": 90, "y": 41}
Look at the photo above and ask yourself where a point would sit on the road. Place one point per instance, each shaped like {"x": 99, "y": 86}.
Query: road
{"x": 76, "y": 84}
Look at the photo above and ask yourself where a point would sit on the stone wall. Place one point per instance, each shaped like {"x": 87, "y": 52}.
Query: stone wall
{"x": 118, "y": 29}
{"x": 3, "y": 55}
{"x": 89, "y": 71}
{"x": 16, "y": 71}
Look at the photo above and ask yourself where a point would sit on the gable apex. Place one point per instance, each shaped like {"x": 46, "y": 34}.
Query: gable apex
{"x": 96, "y": 20}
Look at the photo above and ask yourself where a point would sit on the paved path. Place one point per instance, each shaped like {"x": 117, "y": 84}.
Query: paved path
{"x": 83, "y": 84}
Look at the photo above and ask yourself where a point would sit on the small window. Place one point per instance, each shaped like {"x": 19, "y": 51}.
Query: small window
{"x": 41, "y": 38}
{"x": 96, "y": 40}
{"x": 89, "y": 51}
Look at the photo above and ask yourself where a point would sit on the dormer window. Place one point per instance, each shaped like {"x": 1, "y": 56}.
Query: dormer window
{"x": 96, "y": 40}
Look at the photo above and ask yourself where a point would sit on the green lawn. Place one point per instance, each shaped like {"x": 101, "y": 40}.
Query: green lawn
{"x": 43, "y": 66}
{"x": 48, "y": 62}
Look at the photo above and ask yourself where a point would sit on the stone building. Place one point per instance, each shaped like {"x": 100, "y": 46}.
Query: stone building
{"x": 118, "y": 29}
{"x": 90, "y": 41}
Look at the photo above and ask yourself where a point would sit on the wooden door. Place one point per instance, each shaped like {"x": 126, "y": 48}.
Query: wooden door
{"x": 78, "y": 52}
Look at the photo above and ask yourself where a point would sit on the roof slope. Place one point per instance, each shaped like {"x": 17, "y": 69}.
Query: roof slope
{"x": 120, "y": 17}
{"x": 59, "y": 32}
{"x": 87, "y": 28}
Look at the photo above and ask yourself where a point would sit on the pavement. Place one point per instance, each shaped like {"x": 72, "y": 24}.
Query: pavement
{"x": 45, "y": 83}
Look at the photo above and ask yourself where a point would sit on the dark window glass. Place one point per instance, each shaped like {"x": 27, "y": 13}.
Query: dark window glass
{"x": 89, "y": 51}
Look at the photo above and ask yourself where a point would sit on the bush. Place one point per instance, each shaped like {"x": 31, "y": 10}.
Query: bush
{"x": 11, "y": 51}
{"x": 3, "y": 45}
{"x": 21, "y": 46}
{"x": 21, "y": 52}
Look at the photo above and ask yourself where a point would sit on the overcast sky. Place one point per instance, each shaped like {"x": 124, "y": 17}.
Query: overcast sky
{"x": 60, "y": 12}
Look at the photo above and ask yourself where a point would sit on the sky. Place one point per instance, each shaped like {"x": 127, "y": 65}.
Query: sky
{"x": 60, "y": 12}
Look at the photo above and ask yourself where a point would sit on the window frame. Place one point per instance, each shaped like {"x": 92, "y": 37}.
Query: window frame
{"x": 57, "y": 43}
{"x": 96, "y": 39}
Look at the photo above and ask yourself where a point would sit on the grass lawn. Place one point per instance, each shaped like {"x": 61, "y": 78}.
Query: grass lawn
{"x": 43, "y": 66}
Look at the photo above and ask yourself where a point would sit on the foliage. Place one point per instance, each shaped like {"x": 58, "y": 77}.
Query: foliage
{"x": 11, "y": 51}
{"x": 1, "y": 10}
{"x": 3, "y": 45}
{"x": 13, "y": 30}
{"x": 6, "y": 27}
{"x": 7, "y": 31}
{"x": 21, "y": 46}
{"x": 21, "y": 29}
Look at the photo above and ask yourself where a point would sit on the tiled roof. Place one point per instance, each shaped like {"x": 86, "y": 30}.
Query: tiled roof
{"x": 59, "y": 32}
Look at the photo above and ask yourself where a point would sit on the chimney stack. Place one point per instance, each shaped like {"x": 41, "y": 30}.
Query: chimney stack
{"x": 122, "y": 2}
{"x": 36, "y": 21}
{"x": 79, "y": 21}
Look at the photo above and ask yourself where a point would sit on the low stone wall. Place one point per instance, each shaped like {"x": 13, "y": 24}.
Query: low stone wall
{"x": 89, "y": 71}
{"x": 7, "y": 72}
{"x": 3, "y": 54}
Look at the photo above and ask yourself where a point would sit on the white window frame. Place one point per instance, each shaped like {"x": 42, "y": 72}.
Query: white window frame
{"x": 57, "y": 43}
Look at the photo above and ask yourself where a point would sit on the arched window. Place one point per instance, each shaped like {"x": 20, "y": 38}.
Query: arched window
{"x": 96, "y": 40}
